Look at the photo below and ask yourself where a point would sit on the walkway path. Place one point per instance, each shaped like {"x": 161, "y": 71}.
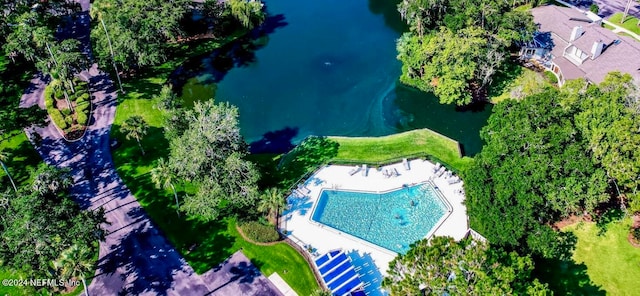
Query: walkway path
{"x": 135, "y": 258}
{"x": 616, "y": 27}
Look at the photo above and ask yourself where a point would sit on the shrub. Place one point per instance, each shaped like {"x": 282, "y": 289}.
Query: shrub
{"x": 82, "y": 118}
{"x": 594, "y": 8}
{"x": 82, "y": 107}
{"x": 59, "y": 94}
{"x": 551, "y": 77}
{"x": 68, "y": 120}
{"x": 48, "y": 99}
{"x": 83, "y": 98}
{"x": 58, "y": 119}
{"x": 259, "y": 232}
{"x": 66, "y": 111}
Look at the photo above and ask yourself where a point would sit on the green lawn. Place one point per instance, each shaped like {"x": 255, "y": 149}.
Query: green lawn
{"x": 397, "y": 146}
{"x": 214, "y": 241}
{"x": 630, "y": 22}
{"x": 601, "y": 264}
{"x": 611, "y": 261}
{"x": 523, "y": 82}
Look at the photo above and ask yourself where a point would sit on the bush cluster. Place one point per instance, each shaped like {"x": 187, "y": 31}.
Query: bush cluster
{"x": 82, "y": 117}
{"x": 58, "y": 118}
{"x": 259, "y": 232}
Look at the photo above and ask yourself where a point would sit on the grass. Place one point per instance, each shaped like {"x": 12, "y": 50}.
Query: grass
{"x": 518, "y": 82}
{"x": 602, "y": 263}
{"x": 630, "y": 22}
{"x": 215, "y": 241}
{"x": 398, "y": 146}
{"x": 611, "y": 261}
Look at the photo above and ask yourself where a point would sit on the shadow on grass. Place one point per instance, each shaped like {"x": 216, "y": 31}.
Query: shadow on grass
{"x": 566, "y": 277}
{"x": 203, "y": 245}
{"x": 23, "y": 159}
{"x": 502, "y": 81}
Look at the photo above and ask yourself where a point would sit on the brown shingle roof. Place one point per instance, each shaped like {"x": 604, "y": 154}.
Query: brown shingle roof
{"x": 623, "y": 57}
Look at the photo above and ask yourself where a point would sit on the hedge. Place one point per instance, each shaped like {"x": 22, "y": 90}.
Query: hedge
{"x": 68, "y": 120}
{"x": 66, "y": 111}
{"x": 58, "y": 119}
{"x": 82, "y": 118}
{"x": 82, "y": 107}
{"x": 259, "y": 232}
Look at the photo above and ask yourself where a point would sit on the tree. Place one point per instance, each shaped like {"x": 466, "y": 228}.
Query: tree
{"x": 210, "y": 152}
{"x": 135, "y": 127}
{"x": 138, "y": 33}
{"x": 443, "y": 266}
{"x": 49, "y": 180}
{"x": 427, "y": 63}
{"x": 163, "y": 177}
{"x": 248, "y": 12}
{"x": 4, "y": 156}
{"x": 534, "y": 169}
{"x": 37, "y": 228}
{"x": 271, "y": 201}
{"x": 455, "y": 47}
{"x": 75, "y": 261}
{"x": 608, "y": 121}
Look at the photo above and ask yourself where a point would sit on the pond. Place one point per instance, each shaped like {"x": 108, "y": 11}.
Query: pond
{"x": 326, "y": 68}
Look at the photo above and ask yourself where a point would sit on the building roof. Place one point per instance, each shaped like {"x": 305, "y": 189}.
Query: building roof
{"x": 620, "y": 53}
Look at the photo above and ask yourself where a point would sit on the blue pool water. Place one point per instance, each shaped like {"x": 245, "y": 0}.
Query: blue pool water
{"x": 393, "y": 220}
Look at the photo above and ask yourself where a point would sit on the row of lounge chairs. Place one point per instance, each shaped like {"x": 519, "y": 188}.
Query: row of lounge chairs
{"x": 301, "y": 191}
{"x": 357, "y": 169}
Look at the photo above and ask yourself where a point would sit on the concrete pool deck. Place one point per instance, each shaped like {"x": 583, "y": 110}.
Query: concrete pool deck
{"x": 297, "y": 223}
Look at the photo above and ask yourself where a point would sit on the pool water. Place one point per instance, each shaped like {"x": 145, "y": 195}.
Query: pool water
{"x": 393, "y": 220}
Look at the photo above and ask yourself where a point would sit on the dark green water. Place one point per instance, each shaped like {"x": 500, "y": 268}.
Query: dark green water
{"x": 330, "y": 68}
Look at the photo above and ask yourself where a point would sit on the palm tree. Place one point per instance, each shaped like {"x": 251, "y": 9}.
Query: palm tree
{"x": 163, "y": 177}
{"x": 76, "y": 261}
{"x": 271, "y": 201}
{"x": 4, "y": 156}
{"x": 135, "y": 127}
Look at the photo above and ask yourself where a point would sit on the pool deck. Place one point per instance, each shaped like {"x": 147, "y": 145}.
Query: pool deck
{"x": 296, "y": 221}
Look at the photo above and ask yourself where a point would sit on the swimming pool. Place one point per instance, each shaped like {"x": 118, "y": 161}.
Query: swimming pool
{"x": 393, "y": 220}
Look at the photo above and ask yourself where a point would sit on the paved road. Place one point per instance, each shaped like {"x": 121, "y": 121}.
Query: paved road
{"x": 609, "y": 7}
{"x": 135, "y": 258}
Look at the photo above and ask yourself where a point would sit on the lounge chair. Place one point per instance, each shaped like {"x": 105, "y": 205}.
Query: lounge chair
{"x": 364, "y": 170}
{"x": 440, "y": 172}
{"x": 386, "y": 173}
{"x": 395, "y": 172}
{"x": 405, "y": 162}
{"x": 437, "y": 167}
{"x": 354, "y": 170}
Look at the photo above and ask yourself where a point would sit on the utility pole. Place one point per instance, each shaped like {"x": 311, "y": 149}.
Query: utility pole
{"x": 113, "y": 59}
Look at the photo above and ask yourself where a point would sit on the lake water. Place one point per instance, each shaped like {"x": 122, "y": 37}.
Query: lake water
{"x": 329, "y": 68}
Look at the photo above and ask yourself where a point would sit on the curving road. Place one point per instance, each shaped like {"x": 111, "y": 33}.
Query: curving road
{"x": 135, "y": 258}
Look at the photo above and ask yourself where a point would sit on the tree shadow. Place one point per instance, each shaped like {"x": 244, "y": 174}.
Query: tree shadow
{"x": 215, "y": 65}
{"x": 389, "y": 10}
{"x": 505, "y": 77}
{"x": 147, "y": 261}
{"x": 566, "y": 277}
{"x": 280, "y": 141}
{"x": 609, "y": 215}
{"x": 237, "y": 275}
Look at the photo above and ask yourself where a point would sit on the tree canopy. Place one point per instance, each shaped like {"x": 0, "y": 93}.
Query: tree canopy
{"x": 38, "y": 224}
{"x": 442, "y": 266}
{"x": 210, "y": 153}
{"x": 551, "y": 155}
{"x": 455, "y": 47}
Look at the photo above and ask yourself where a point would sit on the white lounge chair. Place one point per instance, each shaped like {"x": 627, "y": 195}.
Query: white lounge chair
{"x": 395, "y": 172}
{"x": 364, "y": 170}
{"x": 405, "y": 163}
{"x": 354, "y": 170}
